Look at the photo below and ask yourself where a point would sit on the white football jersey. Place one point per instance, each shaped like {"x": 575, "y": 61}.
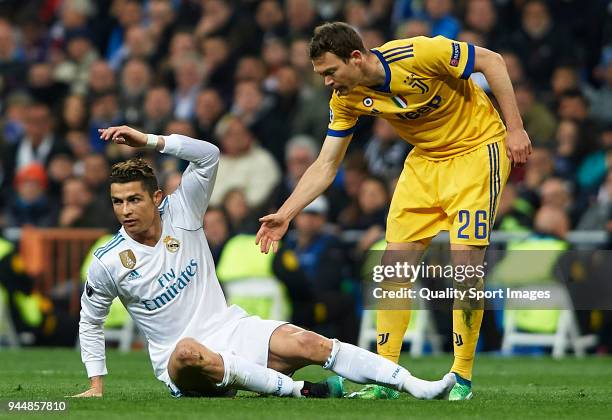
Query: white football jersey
{"x": 170, "y": 290}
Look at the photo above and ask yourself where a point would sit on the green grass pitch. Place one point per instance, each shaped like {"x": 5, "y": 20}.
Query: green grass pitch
{"x": 510, "y": 388}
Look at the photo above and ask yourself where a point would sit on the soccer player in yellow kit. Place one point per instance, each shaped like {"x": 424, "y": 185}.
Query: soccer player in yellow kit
{"x": 451, "y": 180}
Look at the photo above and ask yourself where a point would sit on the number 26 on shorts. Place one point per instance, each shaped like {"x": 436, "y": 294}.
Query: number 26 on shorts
{"x": 480, "y": 224}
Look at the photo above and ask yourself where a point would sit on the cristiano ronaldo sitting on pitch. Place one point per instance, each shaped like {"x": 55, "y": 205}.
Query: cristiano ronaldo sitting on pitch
{"x": 160, "y": 266}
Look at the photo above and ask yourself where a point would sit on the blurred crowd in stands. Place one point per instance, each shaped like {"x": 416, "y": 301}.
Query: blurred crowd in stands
{"x": 237, "y": 73}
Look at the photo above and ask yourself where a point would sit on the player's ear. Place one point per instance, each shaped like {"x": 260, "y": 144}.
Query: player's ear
{"x": 357, "y": 57}
{"x": 157, "y": 197}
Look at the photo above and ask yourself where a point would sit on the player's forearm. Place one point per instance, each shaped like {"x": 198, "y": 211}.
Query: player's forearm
{"x": 313, "y": 183}
{"x": 492, "y": 65}
{"x": 193, "y": 150}
{"x": 91, "y": 339}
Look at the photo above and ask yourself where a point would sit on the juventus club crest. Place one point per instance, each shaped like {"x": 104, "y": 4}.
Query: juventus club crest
{"x": 172, "y": 244}
{"x": 128, "y": 259}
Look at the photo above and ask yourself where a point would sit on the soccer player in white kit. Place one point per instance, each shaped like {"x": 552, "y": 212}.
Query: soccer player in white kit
{"x": 160, "y": 266}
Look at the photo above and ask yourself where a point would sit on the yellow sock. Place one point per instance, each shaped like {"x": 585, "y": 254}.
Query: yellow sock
{"x": 467, "y": 318}
{"x": 466, "y": 329}
{"x": 391, "y": 325}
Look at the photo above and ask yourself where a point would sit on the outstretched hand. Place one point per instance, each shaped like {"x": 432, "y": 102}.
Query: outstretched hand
{"x": 123, "y": 135}
{"x": 273, "y": 228}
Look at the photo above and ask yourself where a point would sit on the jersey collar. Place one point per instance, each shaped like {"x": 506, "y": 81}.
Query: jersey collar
{"x": 384, "y": 87}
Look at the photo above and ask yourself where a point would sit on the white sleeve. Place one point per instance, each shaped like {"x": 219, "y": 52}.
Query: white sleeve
{"x": 188, "y": 203}
{"x": 95, "y": 303}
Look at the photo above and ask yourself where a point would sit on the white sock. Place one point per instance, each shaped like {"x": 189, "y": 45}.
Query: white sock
{"x": 243, "y": 374}
{"x": 362, "y": 366}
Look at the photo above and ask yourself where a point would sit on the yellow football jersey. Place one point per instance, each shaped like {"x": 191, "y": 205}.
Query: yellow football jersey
{"x": 427, "y": 96}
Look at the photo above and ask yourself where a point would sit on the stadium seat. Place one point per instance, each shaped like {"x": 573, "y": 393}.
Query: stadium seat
{"x": 555, "y": 328}
{"x": 8, "y": 335}
{"x": 251, "y": 283}
{"x": 421, "y": 331}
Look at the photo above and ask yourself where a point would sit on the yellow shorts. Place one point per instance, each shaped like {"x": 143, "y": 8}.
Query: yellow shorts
{"x": 459, "y": 194}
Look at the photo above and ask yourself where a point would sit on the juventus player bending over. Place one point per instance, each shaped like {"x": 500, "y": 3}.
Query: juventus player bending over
{"x": 161, "y": 268}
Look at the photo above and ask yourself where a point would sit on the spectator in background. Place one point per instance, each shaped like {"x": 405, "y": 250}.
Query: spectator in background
{"x": 239, "y": 215}
{"x": 241, "y": 164}
{"x": 189, "y": 75}
{"x": 557, "y": 193}
{"x": 138, "y": 44}
{"x": 514, "y": 66}
{"x": 567, "y": 138}
{"x": 209, "y": 109}
{"x": 300, "y": 152}
{"x": 95, "y": 175}
{"x": 386, "y": 152}
{"x": 539, "y": 122}
{"x": 135, "y": 81}
{"x": 370, "y": 207}
{"x": 80, "y": 56}
{"x": 564, "y": 79}
{"x": 592, "y": 169}
{"x": 256, "y": 110}
{"x": 345, "y": 188}
{"x": 575, "y": 106}
{"x": 13, "y": 123}
{"x": 79, "y": 208}
{"x": 170, "y": 182}
{"x": 101, "y": 79}
{"x": 301, "y": 18}
{"x": 356, "y": 14}
{"x": 42, "y": 87}
{"x": 157, "y": 111}
{"x": 598, "y": 215}
{"x": 61, "y": 167}
{"x": 439, "y": 13}
{"x": 217, "y": 230}
{"x": 413, "y": 27}
{"x": 250, "y": 68}
{"x": 270, "y": 20}
{"x": 37, "y": 145}
{"x": 219, "y": 63}
{"x": 299, "y": 105}
{"x": 31, "y": 205}
{"x": 540, "y": 43}
{"x": 128, "y": 14}
{"x": 80, "y": 148}
{"x": 601, "y": 98}
{"x": 312, "y": 265}
{"x": 13, "y": 67}
{"x": 105, "y": 112}
{"x": 74, "y": 114}
{"x": 221, "y": 19}
{"x": 481, "y": 17}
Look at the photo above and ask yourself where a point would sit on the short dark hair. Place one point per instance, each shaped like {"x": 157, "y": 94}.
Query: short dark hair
{"x": 337, "y": 38}
{"x": 135, "y": 169}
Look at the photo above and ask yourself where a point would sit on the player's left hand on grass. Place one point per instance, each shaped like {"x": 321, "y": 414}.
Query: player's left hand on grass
{"x": 123, "y": 135}
{"x": 518, "y": 146}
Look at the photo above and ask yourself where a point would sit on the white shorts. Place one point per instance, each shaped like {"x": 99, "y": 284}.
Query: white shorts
{"x": 248, "y": 337}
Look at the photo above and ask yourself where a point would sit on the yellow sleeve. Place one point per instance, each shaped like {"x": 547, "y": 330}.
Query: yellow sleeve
{"x": 442, "y": 56}
{"x": 342, "y": 121}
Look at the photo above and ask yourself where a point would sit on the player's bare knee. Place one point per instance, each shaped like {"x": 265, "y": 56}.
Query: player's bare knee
{"x": 188, "y": 353}
{"x": 314, "y": 347}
